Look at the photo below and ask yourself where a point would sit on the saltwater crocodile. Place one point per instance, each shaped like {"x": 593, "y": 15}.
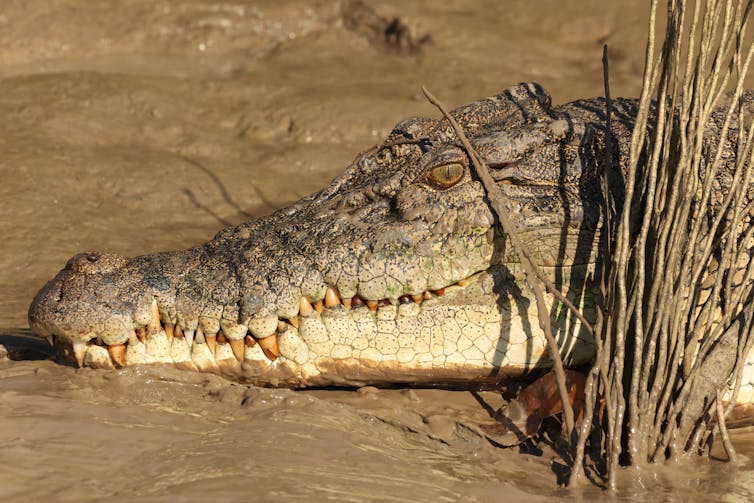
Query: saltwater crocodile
{"x": 393, "y": 273}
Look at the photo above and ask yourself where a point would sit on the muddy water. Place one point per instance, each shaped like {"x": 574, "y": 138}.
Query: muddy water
{"x": 141, "y": 126}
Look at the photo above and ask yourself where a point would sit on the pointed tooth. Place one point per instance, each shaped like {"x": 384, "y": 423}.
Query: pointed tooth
{"x": 79, "y": 351}
{"x": 211, "y": 341}
{"x": 305, "y": 307}
{"x": 222, "y": 338}
{"x": 270, "y": 346}
{"x": 170, "y": 331}
{"x": 141, "y": 333}
{"x": 418, "y": 298}
{"x": 238, "y": 348}
{"x": 347, "y": 303}
{"x": 440, "y": 292}
{"x": 427, "y": 295}
{"x": 51, "y": 340}
{"x": 118, "y": 354}
{"x": 189, "y": 334}
{"x": 199, "y": 338}
{"x": 463, "y": 282}
{"x": 294, "y": 321}
{"x": 177, "y": 332}
{"x": 318, "y": 306}
{"x": 154, "y": 323}
{"x": 373, "y": 304}
{"x": 332, "y": 298}
{"x": 250, "y": 341}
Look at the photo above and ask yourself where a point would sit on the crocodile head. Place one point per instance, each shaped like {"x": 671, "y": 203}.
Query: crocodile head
{"x": 392, "y": 273}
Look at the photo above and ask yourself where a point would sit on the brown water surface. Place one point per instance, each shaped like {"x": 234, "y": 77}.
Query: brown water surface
{"x": 140, "y": 126}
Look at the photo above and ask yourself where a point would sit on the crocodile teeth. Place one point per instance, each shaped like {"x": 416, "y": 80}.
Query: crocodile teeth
{"x": 51, "y": 340}
{"x": 347, "y": 303}
{"x": 199, "y": 339}
{"x": 189, "y": 334}
{"x": 79, "y": 351}
{"x": 418, "y": 298}
{"x": 373, "y": 305}
{"x": 318, "y": 306}
{"x": 463, "y": 282}
{"x": 211, "y": 341}
{"x": 177, "y": 332}
{"x": 222, "y": 338}
{"x": 305, "y": 307}
{"x": 170, "y": 331}
{"x": 154, "y": 325}
{"x": 141, "y": 333}
{"x": 249, "y": 341}
{"x": 118, "y": 354}
{"x": 294, "y": 321}
{"x": 332, "y": 298}
{"x": 270, "y": 347}
{"x": 238, "y": 348}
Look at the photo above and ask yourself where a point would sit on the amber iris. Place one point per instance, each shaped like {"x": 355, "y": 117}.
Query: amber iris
{"x": 446, "y": 175}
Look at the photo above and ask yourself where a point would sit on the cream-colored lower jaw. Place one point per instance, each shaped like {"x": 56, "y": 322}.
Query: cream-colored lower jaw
{"x": 449, "y": 340}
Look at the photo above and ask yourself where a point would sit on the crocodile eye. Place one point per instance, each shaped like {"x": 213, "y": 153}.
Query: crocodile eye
{"x": 446, "y": 175}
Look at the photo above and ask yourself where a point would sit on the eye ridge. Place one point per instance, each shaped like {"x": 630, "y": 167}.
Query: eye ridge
{"x": 446, "y": 175}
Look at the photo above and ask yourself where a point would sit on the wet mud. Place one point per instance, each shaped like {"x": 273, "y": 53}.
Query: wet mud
{"x": 133, "y": 127}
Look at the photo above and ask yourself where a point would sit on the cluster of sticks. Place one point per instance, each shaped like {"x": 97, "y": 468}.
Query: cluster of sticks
{"x": 676, "y": 273}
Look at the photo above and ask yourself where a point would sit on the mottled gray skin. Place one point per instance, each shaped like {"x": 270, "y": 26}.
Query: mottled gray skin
{"x": 382, "y": 230}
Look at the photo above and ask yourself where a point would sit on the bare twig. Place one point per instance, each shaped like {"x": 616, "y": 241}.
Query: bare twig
{"x": 532, "y": 272}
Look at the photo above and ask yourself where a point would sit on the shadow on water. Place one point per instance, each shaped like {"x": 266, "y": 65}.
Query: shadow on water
{"x": 22, "y": 344}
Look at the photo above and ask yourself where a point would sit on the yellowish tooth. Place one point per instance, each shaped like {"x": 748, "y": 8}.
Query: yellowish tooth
{"x": 211, "y": 341}
{"x": 427, "y": 295}
{"x": 332, "y": 298}
{"x": 318, "y": 306}
{"x": 418, "y": 298}
{"x": 222, "y": 338}
{"x": 154, "y": 325}
{"x": 282, "y": 325}
{"x": 51, "y": 340}
{"x": 305, "y": 307}
{"x": 373, "y": 304}
{"x": 170, "y": 331}
{"x": 177, "y": 332}
{"x": 238, "y": 348}
{"x": 141, "y": 333}
{"x": 463, "y": 282}
{"x": 270, "y": 346}
{"x": 347, "y": 303}
{"x": 294, "y": 321}
{"x": 79, "y": 351}
{"x": 118, "y": 354}
{"x": 250, "y": 341}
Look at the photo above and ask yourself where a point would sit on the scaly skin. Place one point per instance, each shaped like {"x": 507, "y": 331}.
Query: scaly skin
{"x": 391, "y": 274}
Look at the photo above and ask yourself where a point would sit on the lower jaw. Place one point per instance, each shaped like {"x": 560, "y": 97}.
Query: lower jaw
{"x": 464, "y": 336}
{"x": 448, "y": 341}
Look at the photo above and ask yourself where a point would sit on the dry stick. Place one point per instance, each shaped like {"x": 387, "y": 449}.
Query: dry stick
{"x": 729, "y": 450}
{"x": 590, "y": 390}
{"x": 531, "y": 271}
